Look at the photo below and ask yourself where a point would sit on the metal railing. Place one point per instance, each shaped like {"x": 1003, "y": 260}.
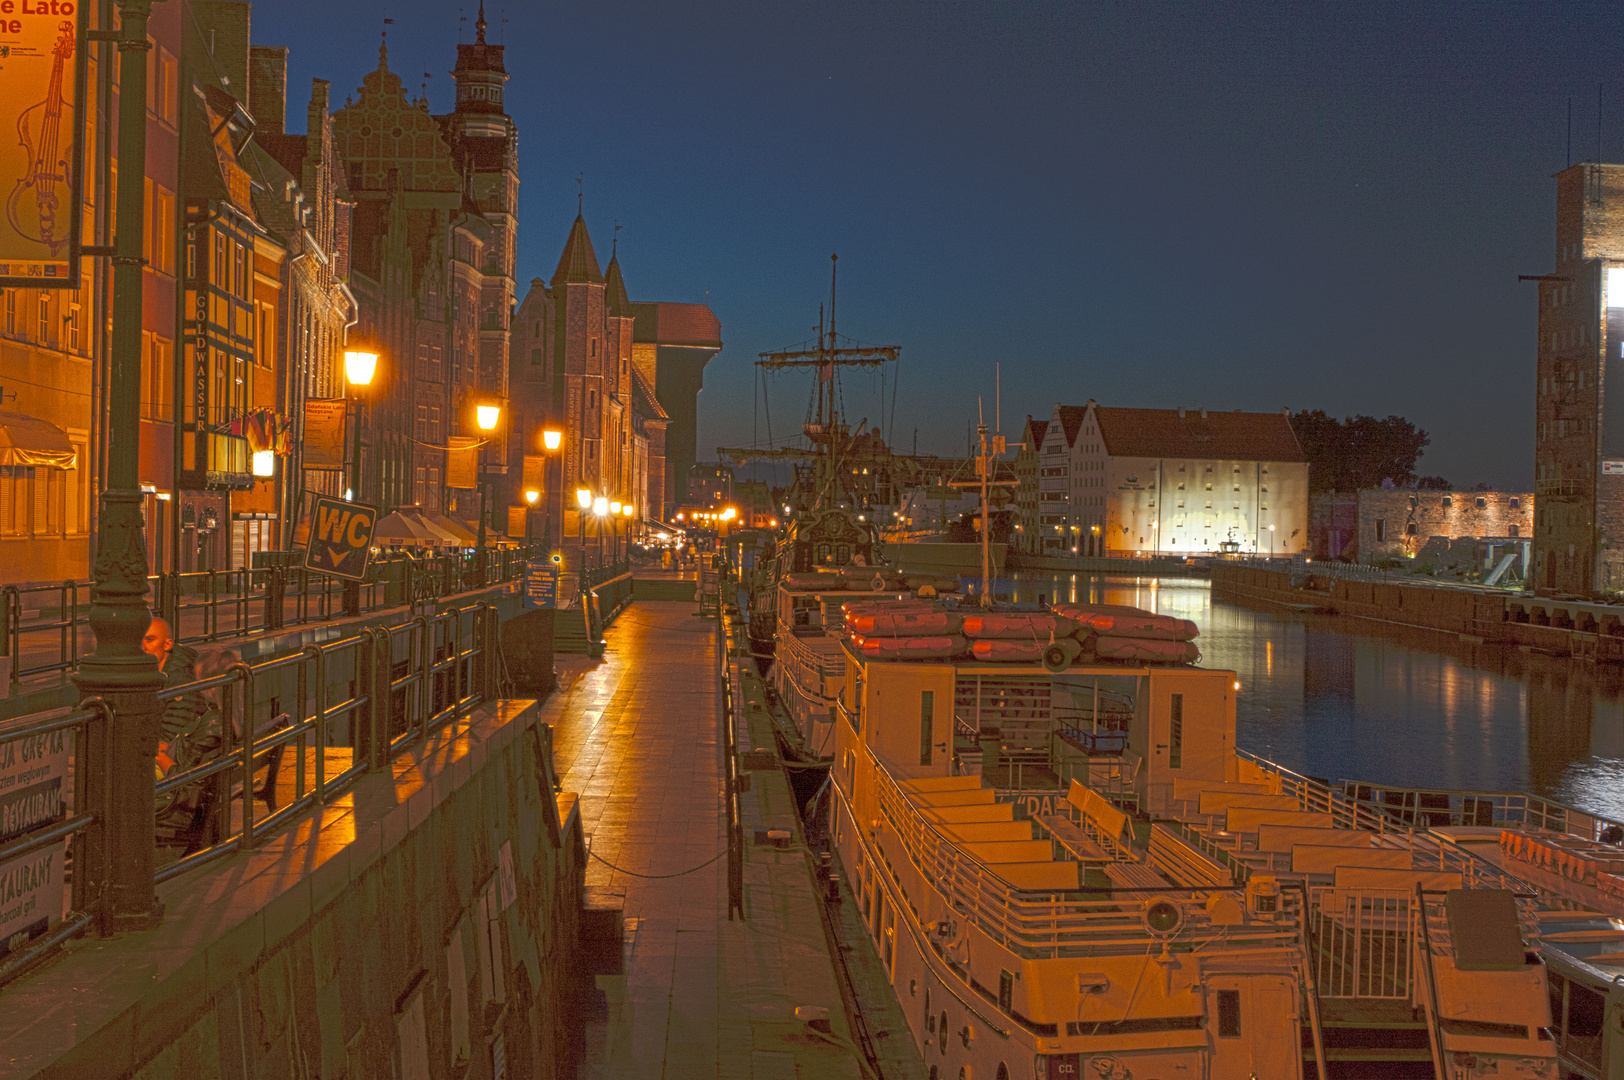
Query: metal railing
{"x": 49, "y": 821}
{"x": 1362, "y": 942}
{"x": 1039, "y": 924}
{"x": 217, "y": 605}
{"x": 397, "y": 685}
{"x": 728, "y": 631}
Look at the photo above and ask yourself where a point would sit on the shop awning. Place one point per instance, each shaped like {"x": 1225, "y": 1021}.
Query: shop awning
{"x": 25, "y": 440}
{"x": 397, "y": 528}
{"x": 446, "y": 538}
{"x": 465, "y": 536}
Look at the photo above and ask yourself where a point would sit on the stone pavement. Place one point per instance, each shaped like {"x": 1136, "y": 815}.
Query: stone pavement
{"x": 637, "y": 735}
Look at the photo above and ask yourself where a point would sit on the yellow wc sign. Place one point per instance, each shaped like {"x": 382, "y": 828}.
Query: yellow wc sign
{"x": 340, "y": 538}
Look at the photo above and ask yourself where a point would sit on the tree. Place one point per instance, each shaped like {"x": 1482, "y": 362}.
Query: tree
{"x": 1359, "y": 451}
{"x": 1433, "y": 483}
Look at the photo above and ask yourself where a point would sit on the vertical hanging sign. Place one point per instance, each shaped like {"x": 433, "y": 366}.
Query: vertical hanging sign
{"x": 40, "y": 87}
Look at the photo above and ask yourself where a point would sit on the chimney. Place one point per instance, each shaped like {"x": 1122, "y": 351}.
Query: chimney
{"x": 1203, "y": 414}
{"x": 268, "y": 88}
{"x": 1181, "y": 412}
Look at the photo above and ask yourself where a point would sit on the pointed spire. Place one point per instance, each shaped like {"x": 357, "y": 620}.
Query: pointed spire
{"x": 615, "y": 298}
{"x": 479, "y": 26}
{"x": 578, "y": 263}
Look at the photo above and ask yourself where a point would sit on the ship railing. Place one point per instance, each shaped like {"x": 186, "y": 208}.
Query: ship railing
{"x": 1387, "y": 808}
{"x": 1362, "y": 942}
{"x": 1051, "y": 924}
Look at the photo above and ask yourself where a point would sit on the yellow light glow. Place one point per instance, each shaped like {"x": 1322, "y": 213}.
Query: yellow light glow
{"x": 614, "y": 507}
{"x": 264, "y": 463}
{"x": 487, "y": 416}
{"x": 531, "y": 496}
{"x": 583, "y": 498}
{"x": 1237, "y": 685}
{"x": 627, "y": 509}
{"x": 359, "y": 366}
{"x": 552, "y": 439}
{"x": 729, "y": 514}
{"x": 600, "y": 506}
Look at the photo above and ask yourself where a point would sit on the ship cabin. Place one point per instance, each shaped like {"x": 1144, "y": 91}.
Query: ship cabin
{"x": 1584, "y": 951}
{"x": 1067, "y": 863}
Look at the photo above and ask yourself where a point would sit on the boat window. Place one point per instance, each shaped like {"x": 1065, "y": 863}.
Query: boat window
{"x": 927, "y": 709}
{"x": 1175, "y": 733}
{"x": 1585, "y": 1011}
{"x": 1229, "y": 1014}
{"x": 1006, "y": 990}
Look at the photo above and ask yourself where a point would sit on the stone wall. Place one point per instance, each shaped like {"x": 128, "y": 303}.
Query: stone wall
{"x": 1397, "y": 524}
{"x": 426, "y": 929}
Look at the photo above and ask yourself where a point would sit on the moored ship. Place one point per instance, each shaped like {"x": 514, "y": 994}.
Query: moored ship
{"x": 1068, "y": 870}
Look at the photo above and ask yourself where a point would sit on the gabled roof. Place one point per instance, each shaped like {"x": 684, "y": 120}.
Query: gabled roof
{"x": 578, "y": 263}
{"x": 646, "y": 402}
{"x": 1034, "y": 432}
{"x": 615, "y": 299}
{"x": 1071, "y": 418}
{"x": 1228, "y": 436}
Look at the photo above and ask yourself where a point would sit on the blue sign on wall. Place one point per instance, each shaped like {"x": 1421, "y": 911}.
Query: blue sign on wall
{"x": 540, "y": 585}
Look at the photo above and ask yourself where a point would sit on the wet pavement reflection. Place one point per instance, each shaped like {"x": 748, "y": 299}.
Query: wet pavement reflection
{"x": 1345, "y": 699}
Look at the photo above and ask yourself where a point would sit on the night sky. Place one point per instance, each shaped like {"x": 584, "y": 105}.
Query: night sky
{"x": 1310, "y": 206}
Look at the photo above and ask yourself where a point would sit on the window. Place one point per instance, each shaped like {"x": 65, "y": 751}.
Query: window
{"x": 1381, "y": 529}
{"x": 927, "y": 708}
{"x": 1175, "y": 733}
{"x": 11, "y": 311}
{"x": 1515, "y": 503}
{"x": 44, "y": 318}
{"x": 1229, "y": 1014}
{"x": 1481, "y": 503}
{"x": 1449, "y": 500}
{"x": 535, "y": 357}
{"x": 1514, "y": 530}
{"x": 1006, "y": 995}
{"x": 16, "y": 497}
{"x": 73, "y": 327}
{"x": 1410, "y": 528}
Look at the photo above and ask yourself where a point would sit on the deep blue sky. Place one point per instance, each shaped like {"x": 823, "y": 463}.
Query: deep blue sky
{"x": 1230, "y": 206}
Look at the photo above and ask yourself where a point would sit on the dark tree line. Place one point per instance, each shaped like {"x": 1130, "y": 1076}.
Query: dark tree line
{"x": 1360, "y": 451}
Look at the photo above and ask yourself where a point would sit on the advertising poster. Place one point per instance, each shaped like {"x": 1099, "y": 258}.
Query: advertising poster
{"x": 38, "y": 87}
{"x": 324, "y": 433}
{"x": 462, "y": 462}
{"x": 30, "y": 896}
{"x": 32, "y": 772}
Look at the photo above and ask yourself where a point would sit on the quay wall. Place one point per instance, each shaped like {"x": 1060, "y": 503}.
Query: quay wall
{"x": 1155, "y": 567}
{"x": 1574, "y": 628}
{"x": 430, "y": 929}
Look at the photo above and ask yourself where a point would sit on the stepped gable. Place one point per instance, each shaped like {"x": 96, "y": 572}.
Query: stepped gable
{"x": 381, "y": 132}
{"x": 1071, "y": 419}
{"x": 1228, "y": 436}
{"x": 1035, "y": 430}
{"x": 578, "y": 263}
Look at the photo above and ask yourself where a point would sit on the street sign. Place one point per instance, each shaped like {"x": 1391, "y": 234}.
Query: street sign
{"x": 540, "y": 585}
{"x": 340, "y": 538}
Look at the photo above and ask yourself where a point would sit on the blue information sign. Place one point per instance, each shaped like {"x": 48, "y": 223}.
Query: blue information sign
{"x": 540, "y": 585}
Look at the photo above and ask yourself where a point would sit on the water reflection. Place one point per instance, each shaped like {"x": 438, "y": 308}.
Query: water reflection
{"x": 1337, "y": 699}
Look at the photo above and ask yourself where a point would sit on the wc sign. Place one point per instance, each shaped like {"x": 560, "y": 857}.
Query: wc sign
{"x": 340, "y": 538}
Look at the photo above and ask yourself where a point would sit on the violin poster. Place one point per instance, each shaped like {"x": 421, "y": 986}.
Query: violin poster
{"x": 39, "y": 59}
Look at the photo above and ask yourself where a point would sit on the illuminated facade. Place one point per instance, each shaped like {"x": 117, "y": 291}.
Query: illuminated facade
{"x": 1174, "y": 481}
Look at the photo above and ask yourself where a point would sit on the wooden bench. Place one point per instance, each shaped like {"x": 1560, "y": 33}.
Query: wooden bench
{"x": 1283, "y": 838}
{"x": 1360, "y": 877}
{"x": 1246, "y": 819}
{"x": 1329, "y": 858}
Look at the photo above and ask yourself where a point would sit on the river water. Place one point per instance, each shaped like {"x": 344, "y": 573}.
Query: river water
{"x": 1345, "y": 699}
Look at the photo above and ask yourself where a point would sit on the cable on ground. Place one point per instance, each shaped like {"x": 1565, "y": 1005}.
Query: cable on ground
{"x": 634, "y": 873}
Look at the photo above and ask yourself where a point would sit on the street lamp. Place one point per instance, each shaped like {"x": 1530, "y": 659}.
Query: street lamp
{"x": 530, "y": 497}
{"x": 600, "y": 508}
{"x": 360, "y": 366}
{"x": 1271, "y": 541}
{"x": 487, "y": 417}
{"x": 583, "y": 503}
{"x": 551, "y": 440}
{"x": 630, "y": 512}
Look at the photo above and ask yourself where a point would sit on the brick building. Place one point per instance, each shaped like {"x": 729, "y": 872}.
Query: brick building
{"x": 1398, "y": 524}
{"x": 1579, "y": 412}
{"x": 1027, "y": 533}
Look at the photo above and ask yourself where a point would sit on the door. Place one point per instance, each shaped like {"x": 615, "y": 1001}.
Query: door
{"x": 1245, "y": 1028}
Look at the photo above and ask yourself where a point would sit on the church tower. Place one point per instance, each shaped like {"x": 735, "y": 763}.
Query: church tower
{"x": 579, "y": 381}
{"x": 485, "y": 143}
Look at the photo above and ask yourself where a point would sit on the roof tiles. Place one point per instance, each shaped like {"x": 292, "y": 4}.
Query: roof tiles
{"x": 1228, "y": 436}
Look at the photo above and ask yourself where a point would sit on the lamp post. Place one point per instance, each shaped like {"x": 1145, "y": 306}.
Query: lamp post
{"x": 360, "y": 365}
{"x": 600, "y": 507}
{"x": 487, "y": 417}
{"x": 530, "y": 497}
{"x": 551, "y": 440}
{"x": 614, "y": 530}
{"x": 630, "y": 512}
{"x": 119, "y": 850}
{"x": 1271, "y": 541}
